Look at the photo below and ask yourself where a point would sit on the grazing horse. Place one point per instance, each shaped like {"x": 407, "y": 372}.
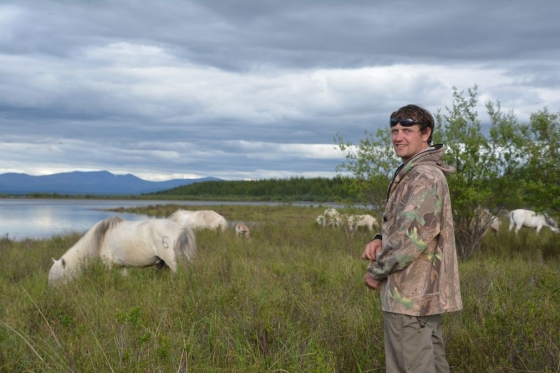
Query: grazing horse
{"x": 331, "y": 217}
{"x": 366, "y": 220}
{"x": 241, "y": 229}
{"x": 320, "y": 219}
{"x": 201, "y": 219}
{"x": 487, "y": 221}
{"x": 115, "y": 241}
{"x": 530, "y": 219}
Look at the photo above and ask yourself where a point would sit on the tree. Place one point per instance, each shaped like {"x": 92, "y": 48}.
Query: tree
{"x": 508, "y": 138}
{"x": 371, "y": 164}
{"x": 478, "y": 166}
{"x": 541, "y": 173}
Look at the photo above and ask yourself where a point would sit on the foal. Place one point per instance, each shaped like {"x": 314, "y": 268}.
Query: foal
{"x": 242, "y": 230}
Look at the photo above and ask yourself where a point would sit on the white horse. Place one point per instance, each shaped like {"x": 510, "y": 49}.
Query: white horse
{"x": 320, "y": 219}
{"x": 241, "y": 229}
{"x": 331, "y": 217}
{"x": 115, "y": 241}
{"x": 201, "y": 219}
{"x": 366, "y": 220}
{"x": 530, "y": 219}
{"x": 487, "y": 221}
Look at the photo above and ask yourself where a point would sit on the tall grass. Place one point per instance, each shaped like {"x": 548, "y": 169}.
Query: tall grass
{"x": 291, "y": 299}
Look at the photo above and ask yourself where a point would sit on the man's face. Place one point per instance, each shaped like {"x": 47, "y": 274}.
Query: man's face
{"x": 408, "y": 141}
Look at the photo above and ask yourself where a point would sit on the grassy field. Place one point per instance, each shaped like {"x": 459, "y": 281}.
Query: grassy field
{"x": 289, "y": 300}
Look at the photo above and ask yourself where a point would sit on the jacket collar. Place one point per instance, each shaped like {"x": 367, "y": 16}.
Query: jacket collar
{"x": 432, "y": 155}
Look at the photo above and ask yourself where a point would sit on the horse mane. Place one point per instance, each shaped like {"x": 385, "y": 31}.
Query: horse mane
{"x": 103, "y": 227}
{"x": 172, "y": 216}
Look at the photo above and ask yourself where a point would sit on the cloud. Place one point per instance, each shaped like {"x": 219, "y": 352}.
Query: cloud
{"x": 250, "y": 89}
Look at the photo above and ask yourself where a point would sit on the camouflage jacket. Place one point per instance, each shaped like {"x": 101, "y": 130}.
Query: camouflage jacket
{"x": 418, "y": 265}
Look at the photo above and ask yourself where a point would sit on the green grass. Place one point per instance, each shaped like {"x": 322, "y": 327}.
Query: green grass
{"x": 289, "y": 300}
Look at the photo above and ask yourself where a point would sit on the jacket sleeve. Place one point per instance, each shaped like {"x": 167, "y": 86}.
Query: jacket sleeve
{"x": 412, "y": 225}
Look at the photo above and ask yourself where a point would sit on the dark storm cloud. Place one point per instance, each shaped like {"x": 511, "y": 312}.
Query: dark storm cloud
{"x": 295, "y": 33}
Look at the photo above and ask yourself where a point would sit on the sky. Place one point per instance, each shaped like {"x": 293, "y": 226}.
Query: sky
{"x": 252, "y": 89}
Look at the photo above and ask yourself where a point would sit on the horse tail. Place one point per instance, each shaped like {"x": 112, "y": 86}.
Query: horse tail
{"x": 185, "y": 245}
{"x": 102, "y": 228}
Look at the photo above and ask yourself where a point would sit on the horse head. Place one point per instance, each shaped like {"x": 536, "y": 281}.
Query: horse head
{"x": 550, "y": 221}
{"x": 57, "y": 271}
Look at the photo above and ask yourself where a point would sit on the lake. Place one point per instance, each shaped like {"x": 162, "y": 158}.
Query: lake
{"x": 22, "y": 218}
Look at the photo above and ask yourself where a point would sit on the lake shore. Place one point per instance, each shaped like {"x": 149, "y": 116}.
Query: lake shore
{"x": 22, "y": 218}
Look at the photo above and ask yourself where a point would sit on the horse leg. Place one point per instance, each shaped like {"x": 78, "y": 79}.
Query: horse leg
{"x": 167, "y": 260}
{"x": 108, "y": 260}
{"x": 160, "y": 263}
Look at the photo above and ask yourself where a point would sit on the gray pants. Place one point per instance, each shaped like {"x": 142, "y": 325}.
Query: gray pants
{"x": 414, "y": 344}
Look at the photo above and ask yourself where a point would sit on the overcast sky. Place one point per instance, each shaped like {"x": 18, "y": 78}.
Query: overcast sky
{"x": 251, "y": 89}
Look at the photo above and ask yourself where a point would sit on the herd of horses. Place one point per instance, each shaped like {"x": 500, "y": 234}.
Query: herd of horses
{"x": 171, "y": 242}
{"x": 163, "y": 243}
{"x": 332, "y": 218}
{"x": 517, "y": 219}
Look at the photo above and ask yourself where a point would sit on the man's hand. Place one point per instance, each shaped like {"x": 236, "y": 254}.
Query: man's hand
{"x": 370, "y": 282}
{"x": 371, "y": 250}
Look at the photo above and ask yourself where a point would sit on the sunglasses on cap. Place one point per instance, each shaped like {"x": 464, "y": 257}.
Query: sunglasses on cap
{"x": 405, "y": 122}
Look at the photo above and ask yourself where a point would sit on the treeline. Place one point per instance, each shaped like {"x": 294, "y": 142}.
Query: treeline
{"x": 318, "y": 189}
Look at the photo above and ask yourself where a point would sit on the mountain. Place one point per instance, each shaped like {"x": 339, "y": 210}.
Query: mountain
{"x": 87, "y": 183}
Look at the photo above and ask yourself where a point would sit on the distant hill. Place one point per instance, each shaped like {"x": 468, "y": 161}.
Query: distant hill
{"x": 87, "y": 183}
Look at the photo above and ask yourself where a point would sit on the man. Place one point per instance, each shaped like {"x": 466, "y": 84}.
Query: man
{"x": 413, "y": 261}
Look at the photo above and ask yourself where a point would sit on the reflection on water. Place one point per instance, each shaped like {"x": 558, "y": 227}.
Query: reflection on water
{"x": 42, "y": 218}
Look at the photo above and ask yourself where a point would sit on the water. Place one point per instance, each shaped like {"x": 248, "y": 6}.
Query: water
{"x": 43, "y": 218}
